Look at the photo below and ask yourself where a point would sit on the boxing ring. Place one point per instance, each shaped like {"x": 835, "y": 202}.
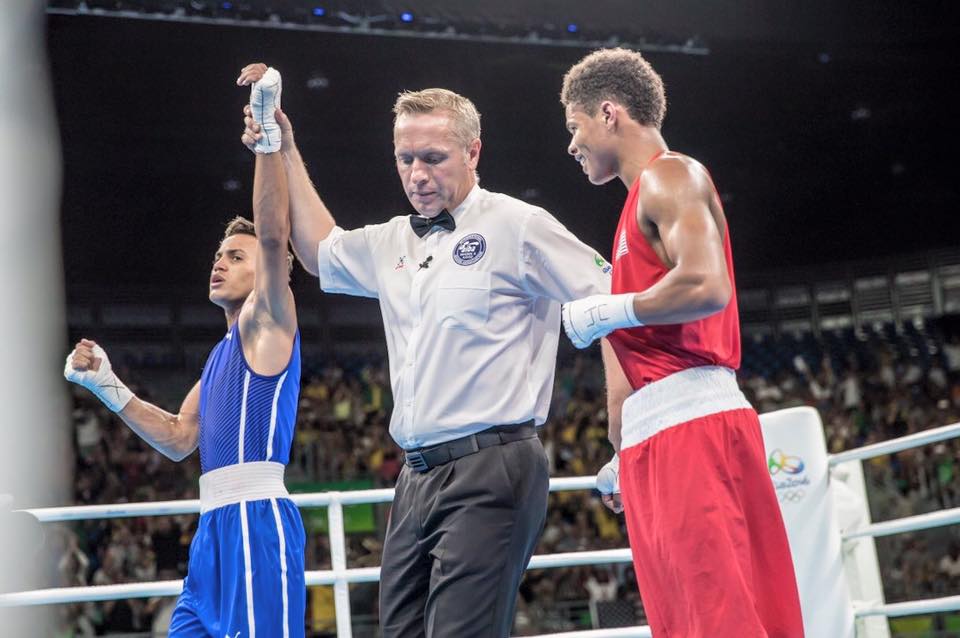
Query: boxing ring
{"x": 865, "y": 615}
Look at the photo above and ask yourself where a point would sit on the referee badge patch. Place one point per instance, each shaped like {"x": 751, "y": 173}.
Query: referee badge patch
{"x": 470, "y": 249}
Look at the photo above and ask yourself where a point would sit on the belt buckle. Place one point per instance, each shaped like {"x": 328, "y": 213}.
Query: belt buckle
{"x": 416, "y": 461}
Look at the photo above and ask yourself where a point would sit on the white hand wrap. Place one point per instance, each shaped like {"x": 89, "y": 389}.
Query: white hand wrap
{"x": 592, "y": 317}
{"x": 608, "y": 478}
{"x": 103, "y": 382}
{"x": 264, "y": 101}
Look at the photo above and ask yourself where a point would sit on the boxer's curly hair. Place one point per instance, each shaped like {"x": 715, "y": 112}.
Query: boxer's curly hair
{"x": 620, "y": 75}
{"x": 243, "y": 226}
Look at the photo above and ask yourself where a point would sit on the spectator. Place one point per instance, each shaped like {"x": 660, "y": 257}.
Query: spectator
{"x": 342, "y": 433}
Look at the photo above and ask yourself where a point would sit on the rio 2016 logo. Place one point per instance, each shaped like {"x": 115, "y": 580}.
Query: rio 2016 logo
{"x": 780, "y": 462}
{"x": 789, "y": 486}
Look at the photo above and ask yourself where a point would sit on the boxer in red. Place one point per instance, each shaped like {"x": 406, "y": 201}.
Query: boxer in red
{"x": 708, "y": 541}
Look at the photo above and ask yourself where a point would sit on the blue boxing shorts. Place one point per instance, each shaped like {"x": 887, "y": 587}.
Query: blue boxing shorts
{"x": 245, "y": 574}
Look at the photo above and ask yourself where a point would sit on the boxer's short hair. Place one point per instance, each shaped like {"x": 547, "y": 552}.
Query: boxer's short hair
{"x": 243, "y": 226}
{"x": 619, "y": 75}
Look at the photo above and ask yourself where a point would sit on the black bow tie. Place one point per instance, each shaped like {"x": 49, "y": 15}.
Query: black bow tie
{"x": 421, "y": 225}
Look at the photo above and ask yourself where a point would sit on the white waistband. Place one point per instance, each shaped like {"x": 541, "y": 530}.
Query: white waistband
{"x": 683, "y": 396}
{"x": 242, "y": 482}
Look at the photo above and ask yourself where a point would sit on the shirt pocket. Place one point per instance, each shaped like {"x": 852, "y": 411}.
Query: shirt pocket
{"x": 463, "y": 300}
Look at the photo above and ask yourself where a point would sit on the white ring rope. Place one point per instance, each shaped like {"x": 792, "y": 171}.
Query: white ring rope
{"x": 318, "y": 499}
{"x": 316, "y": 577}
{"x": 911, "y": 608}
{"x": 624, "y": 632}
{"x": 341, "y": 576}
{"x": 908, "y": 524}
{"x": 926, "y": 437}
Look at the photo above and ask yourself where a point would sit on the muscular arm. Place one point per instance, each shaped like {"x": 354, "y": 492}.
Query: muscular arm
{"x": 311, "y": 222}
{"x": 272, "y": 300}
{"x": 618, "y": 389}
{"x": 173, "y": 435}
{"x": 268, "y": 321}
{"x": 676, "y": 196}
{"x": 310, "y": 219}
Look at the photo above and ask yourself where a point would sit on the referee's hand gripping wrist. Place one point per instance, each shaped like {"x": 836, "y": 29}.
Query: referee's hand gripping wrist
{"x": 590, "y": 318}
{"x": 89, "y": 366}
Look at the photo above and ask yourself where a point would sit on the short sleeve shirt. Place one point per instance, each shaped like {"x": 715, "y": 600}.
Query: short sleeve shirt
{"x": 472, "y": 316}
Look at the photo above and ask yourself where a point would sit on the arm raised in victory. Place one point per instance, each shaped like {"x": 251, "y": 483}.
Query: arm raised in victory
{"x": 268, "y": 321}
{"x": 311, "y": 221}
{"x": 173, "y": 435}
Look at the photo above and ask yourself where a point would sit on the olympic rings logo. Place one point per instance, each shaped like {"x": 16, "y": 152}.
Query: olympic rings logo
{"x": 780, "y": 462}
{"x": 791, "y": 496}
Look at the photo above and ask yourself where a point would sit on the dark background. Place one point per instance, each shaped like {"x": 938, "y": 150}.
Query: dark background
{"x": 830, "y": 131}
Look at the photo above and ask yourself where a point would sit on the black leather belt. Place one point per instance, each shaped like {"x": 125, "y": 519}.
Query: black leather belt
{"x": 423, "y": 459}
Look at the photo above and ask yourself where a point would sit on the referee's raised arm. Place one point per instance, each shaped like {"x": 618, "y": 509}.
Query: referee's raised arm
{"x": 311, "y": 221}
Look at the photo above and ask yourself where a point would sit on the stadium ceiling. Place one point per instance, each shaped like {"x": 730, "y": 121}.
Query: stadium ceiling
{"x": 680, "y": 26}
{"x": 567, "y": 24}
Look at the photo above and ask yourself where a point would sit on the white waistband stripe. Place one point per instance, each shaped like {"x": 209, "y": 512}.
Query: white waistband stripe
{"x": 255, "y": 481}
{"x": 679, "y": 398}
{"x": 283, "y": 567}
{"x": 243, "y": 416}
{"x": 273, "y": 415}
{"x": 247, "y": 570}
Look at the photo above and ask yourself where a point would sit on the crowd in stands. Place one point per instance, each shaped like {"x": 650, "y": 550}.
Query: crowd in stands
{"x": 867, "y": 395}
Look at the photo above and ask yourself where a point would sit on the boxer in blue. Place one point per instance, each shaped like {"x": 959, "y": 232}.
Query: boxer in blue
{"x": 245, "y": 575}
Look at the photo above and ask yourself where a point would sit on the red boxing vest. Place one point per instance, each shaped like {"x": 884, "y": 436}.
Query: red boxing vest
{"x": 649, "y": 353}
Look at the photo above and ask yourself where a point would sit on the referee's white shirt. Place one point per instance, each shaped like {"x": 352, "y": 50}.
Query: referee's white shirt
{"x": 472, "y": 336}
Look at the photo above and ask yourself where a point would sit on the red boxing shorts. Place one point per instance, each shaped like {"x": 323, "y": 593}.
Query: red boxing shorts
{"x": 708, "y": 542}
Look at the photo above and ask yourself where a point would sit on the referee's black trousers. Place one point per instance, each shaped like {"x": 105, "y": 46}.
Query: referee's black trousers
{"x": 458, "y": 541}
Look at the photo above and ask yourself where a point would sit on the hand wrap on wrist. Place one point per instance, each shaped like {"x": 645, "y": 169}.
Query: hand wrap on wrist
{"x": 102, "y": 382}
{"x": 608, "y": 478}
{"x": 587, "y": 319}
{"x": 264, "y": 101}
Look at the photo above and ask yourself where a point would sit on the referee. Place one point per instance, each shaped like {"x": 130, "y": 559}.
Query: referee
{"x": 470, "y": 290}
